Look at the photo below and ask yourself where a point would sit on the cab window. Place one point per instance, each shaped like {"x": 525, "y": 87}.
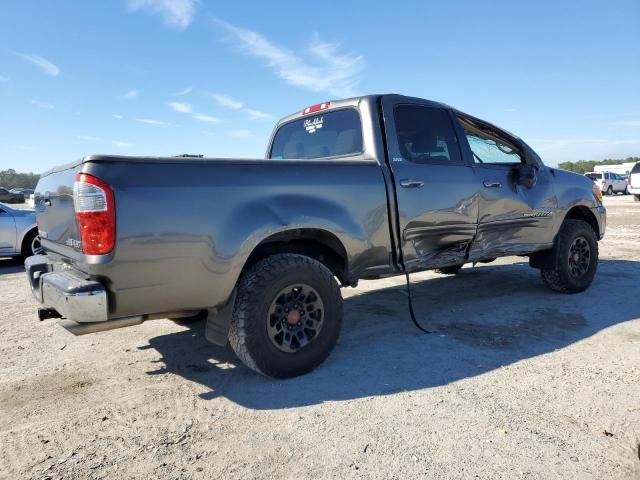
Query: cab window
{"x": 488, "y": 145}
{"x": 426, "y": 135}
{"x": 331, "y": 134}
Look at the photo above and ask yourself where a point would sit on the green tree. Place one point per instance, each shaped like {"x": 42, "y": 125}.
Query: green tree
{"x": 11, "y": 179}
{"x": 583, "y": 166}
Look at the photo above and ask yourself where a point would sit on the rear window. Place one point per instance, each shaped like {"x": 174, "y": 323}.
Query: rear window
{"x": 636, "y": 168}
{"x": 329, "y": 134}
{"x": 594, "y": 176}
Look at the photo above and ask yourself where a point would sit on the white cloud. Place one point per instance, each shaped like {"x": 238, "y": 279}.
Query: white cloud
{"x": 45, "y": 65}
{"x": 116, "y": 116}
{"x": 26, "y": 148}
{"x": 242, "y": 133}
{"x": 235, "y": 104}
{"x": 627, "y": 123}
{"x": 257, "y": 114}
{"x": 130, "y": 95}
{"x": 44, "y": 105}
{"x": 88, "y": 138}
{"x": 186, "y": 91}
{"x": 120, "y": 143}
{"x": 206, "y": 118}
{"x": 325, "y": 70}
{"x": 180, "y": 107}
{"x": 227, "y": 101}
{"x": 175, "y": 13}
{"x": 151, "y": 121}
{"x": 3, "y": 79}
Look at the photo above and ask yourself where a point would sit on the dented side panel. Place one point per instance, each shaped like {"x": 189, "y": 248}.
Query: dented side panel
{"x": 185, "y": 230}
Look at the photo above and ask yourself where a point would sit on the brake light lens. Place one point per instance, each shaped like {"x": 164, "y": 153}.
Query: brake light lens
{"x": 316, "y": 108}
{"x": 95, "y": 214}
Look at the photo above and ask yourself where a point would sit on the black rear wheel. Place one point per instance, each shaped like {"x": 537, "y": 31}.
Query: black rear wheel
{"x": 575, "y": 258}
{"x": 287, "y": 316}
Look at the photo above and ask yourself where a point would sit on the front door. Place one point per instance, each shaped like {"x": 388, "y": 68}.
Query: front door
{"x": 513, "y": 219}
{"x": 436, "y": 189}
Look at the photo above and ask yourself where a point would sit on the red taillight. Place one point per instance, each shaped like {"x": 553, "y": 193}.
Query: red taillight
{"x": 316, "y": 108}
{"x": 95, "y": 214}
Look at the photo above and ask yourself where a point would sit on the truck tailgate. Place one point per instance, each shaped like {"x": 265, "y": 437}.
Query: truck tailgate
{"x": 55, "y": 211}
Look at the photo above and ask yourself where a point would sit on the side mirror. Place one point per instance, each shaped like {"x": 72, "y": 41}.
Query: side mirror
{"x": 527, "y": 175}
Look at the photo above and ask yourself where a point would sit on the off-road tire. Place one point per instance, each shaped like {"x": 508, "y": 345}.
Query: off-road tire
{"x": 257, "y": 289}
{"x": 559, "y": 277}
{"x": 451, "y": 270}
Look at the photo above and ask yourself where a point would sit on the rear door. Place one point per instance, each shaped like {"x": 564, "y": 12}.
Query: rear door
{"x": 436, "y": 189}
{"x": 513, "y": 219}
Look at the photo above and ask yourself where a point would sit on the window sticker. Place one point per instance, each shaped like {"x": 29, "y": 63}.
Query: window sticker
{"x": 313, "y": 124}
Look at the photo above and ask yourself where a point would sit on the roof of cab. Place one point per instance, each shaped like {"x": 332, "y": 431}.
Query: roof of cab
{"x": 356, "y": 101}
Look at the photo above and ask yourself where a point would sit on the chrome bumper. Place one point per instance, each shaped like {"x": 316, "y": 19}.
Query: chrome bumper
{"x": 70, "y": 292}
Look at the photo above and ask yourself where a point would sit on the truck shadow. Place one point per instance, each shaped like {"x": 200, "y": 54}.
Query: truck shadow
{"x": 484, "y": 318}
{"x": 10, "y": 265}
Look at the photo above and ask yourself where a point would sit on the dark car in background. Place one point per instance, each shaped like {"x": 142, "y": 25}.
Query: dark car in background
{"x": 24, "y": 191}
{"x": 8, "y": 196}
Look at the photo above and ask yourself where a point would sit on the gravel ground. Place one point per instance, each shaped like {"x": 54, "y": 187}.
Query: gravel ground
{"x": 517, "y": 382}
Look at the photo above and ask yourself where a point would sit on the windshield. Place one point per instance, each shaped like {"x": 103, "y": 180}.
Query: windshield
{"x": 329, "y": 134}
{"x": 594, "y": 176}
{"x": 636, "y": 168}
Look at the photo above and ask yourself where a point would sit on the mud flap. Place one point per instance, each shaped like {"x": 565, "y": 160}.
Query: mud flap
{"x": 218, "y": 322}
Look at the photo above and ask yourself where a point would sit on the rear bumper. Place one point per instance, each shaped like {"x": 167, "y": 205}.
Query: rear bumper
{"x": 633, "y": 190}
{"x": 70, "y": 292}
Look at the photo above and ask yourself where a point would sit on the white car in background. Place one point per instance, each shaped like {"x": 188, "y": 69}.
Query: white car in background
{"x": 18, "y": 233}
{"x": 608, "y": 182}
{"x": 634, "y": 182}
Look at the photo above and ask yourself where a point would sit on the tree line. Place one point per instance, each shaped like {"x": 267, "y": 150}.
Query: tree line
{"x": 583, "y": 166}
{"x": 11, "y": 179}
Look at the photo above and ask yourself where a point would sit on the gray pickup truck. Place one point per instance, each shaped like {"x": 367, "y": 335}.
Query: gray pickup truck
{"x": 361, "y": 188}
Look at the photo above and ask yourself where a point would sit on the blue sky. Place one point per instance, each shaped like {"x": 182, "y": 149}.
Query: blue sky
{"x": 160, "y": 77}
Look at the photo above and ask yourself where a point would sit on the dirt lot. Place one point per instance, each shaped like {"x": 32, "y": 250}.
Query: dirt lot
{"x": 518, "y": 382}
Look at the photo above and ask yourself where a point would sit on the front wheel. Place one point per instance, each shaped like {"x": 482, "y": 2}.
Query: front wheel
{"x": 287, "y": 316}
{"x": 575, "y": 257}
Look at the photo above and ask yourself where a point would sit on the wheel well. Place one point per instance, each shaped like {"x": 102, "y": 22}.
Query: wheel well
{"x": 317, "y": 244}
{"x": 583, "y": 213}
{"x": 25, "y": 238}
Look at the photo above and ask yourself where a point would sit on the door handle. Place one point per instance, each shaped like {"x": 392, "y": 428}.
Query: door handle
{"x": 490, "y": 184}
{"x": 411, "y": 183}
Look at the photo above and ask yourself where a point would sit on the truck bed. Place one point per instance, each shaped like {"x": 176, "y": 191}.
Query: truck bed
{"x": 186, "y": 226}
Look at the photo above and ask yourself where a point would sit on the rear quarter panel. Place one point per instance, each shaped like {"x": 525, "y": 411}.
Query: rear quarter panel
{"x": 184, "y": 230}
